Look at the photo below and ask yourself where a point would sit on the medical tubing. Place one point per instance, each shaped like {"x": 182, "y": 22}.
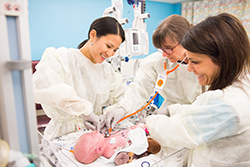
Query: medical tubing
{"x": 165, "y": 66}
{"x": 92, "y": 150}
{"x": 57, "y": 148}
{"x": 136, "y": 111}
{"x": 167, "y": 72}
{"x": 172, "y": 69}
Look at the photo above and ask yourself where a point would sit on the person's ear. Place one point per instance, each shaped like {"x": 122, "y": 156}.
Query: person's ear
{"x": 92, "y": 34}
{"x": 99, "y": 150}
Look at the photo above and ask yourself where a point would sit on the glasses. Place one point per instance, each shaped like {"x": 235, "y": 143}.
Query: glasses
{"x": 169, "y": 51}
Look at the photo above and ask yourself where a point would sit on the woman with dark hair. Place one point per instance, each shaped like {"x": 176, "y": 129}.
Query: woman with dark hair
{"x": 74, "y": 85}
{"x": 216, "y": 126}
{"x": 180, "y": 86}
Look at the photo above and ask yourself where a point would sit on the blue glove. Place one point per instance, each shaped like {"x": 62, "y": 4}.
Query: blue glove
{"x": 113, "y": 116}
{"x": 91, "y": 121}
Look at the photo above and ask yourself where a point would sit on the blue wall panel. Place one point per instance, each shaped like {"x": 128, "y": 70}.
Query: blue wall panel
{"x": 57, "y": 23}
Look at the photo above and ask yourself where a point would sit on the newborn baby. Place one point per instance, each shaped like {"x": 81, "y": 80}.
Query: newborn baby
{"x": 91, "y": 146}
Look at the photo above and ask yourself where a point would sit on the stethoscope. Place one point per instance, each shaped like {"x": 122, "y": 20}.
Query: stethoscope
{"x": 106, "y": 133}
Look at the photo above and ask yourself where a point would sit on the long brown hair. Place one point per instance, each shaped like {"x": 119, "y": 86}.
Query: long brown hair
{"x": 224, "y": 39}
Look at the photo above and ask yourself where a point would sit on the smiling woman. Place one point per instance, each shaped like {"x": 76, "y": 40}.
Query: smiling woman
{"x": 203, "y": 67}
{"x": 215, "y": 127}
{"x": 103, "y": 41}
{"x": 102, "y": 47}
{"x": 74, "y": 85}
{"x": 226, "y": 46}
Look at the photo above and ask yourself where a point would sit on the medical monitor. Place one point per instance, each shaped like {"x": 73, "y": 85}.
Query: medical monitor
{"x": 133, "y": 42}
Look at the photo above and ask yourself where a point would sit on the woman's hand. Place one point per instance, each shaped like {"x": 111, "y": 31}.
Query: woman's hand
{"x": 91, "y": 121}
{"x": 113, "y": 116}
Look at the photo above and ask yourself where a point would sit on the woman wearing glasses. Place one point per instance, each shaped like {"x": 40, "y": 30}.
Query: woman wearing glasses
{"x": 181, "y": 86}
{"x": 216, "y": 126}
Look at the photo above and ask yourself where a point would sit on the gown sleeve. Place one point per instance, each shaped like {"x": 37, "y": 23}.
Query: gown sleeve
{"x": 207, "y": 119}
{"x": 139, "y": 91}
{"x": 49, "y": 84}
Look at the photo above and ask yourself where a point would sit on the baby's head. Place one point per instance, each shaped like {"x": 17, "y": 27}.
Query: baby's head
{"x": 89, "y": 147}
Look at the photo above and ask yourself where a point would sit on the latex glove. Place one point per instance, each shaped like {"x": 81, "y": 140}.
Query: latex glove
{"x": 91, "y": 121}
{"x": 102, "y": 120}
{"x": 162, "y": 111}
{"x": 113, "y": 116}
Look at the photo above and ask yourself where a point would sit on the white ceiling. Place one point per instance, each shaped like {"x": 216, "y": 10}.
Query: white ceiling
{"x": 170, "y": 1}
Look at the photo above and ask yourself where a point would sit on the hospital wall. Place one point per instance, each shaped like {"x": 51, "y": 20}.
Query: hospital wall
{"x": 65, "y": 23}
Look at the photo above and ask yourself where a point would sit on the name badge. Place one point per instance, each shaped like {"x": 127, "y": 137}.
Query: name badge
{"x": 160, "y": 82}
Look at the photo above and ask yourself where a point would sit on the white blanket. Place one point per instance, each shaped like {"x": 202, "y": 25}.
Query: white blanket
{"x": 58, "y": 153}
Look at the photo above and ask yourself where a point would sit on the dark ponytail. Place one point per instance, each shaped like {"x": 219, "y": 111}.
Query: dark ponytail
{"x": 105, "y": 26}
{"x": 82, "y": 44}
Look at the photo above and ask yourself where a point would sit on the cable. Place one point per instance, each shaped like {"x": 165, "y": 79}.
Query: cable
{"x": 167, "y": 72}
{"x": 136, "y": 111}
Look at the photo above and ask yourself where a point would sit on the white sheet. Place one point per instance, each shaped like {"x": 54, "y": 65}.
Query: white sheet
{"x": 58, "y": 154}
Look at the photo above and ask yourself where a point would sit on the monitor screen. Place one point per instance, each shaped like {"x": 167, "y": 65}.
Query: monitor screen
{"x": 135, "y": 38}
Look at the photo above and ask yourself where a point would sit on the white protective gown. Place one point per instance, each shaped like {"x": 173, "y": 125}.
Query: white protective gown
{"x": 68, "y": 84}
{"x": 215, "y": 127}
{"x": 181, "y": 86}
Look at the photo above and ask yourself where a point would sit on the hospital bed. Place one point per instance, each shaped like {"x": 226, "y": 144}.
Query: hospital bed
{"x": 57, "y": 153}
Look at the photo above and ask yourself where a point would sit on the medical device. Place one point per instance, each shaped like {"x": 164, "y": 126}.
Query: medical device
{"x": 116, "y": 11}
{"x": 18, "y": 116}
{"x": 137, "y": 37}
{"x": 132, "y": 43}
{"x": 108, "y": 11}
{"x": 167, "y": 72}
{"x": 149, "y": 110}
{"x": 136, "y": 42}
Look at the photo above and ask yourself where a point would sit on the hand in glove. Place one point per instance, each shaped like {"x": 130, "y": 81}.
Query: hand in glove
{"x": 113, "y": 116}
{"x": 91, "y": 121}
{"x": 102, "y": 120}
